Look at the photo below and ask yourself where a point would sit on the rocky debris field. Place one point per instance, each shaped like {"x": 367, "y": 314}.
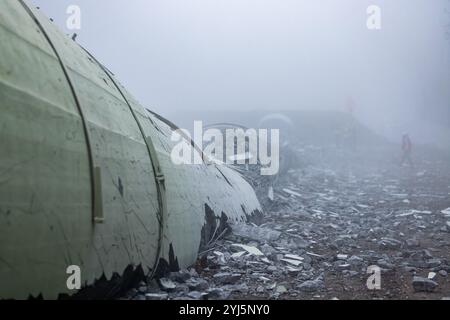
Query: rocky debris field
{"x": 322, "y": 235}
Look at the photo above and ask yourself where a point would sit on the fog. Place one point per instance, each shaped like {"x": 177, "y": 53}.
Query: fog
{"x": 242, "y": 55}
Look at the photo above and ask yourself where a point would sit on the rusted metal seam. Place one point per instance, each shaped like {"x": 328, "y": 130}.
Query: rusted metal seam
{"x": 94, "y": 185}
{"x": 159, "y": 175}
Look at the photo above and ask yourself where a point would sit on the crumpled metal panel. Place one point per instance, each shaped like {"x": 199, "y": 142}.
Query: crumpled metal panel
{"x": 76, "y": 146}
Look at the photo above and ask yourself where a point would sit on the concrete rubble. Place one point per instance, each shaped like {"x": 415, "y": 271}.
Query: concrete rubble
{"x": 320, "y": 234}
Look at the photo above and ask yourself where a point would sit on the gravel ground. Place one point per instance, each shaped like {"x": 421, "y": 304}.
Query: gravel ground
{"x": 325, "y": 227}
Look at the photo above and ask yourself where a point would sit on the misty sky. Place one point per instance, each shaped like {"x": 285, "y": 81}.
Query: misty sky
{"x": 272, "y": 54}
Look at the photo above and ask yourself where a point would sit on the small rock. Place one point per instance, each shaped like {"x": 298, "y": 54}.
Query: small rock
{"x": 167, "y": 284}
{"x": 197, "y": 284}
{"x": 427, "y": 254}
{"x": 432, "y": 275}
{"x": 181, "y": 276}
{"x": 412, "y": 243}
{"x": 340, "y": 265}
{"x": 250, "y": 249}
{"x": 355, "y": 261}
{"x": 243, "y": 288}
{"x": 193, "y": 272}
{"x": 255, "y": 233}
{"x": 342, "y": 257}
{"x": 196, "y": 295}
{"x": 292, "y": 262}
{"x": 353, "y": 273}
{"x": 268, "y": 250}
{"x": 390, "y": 244}
{"x": 271, "y": 286}
{"x": 424, "y": 285}
{"x": 226, "y": 278}
{"x": 134, "y": 292}
{"x": 217, "y": 294}
{"x": 433, "y": 263}
{"x": 306, "y": 266}
{"x": 382, "y": 263}
{"x": 272, "y": 269}
{"x": 293, "y": 257}
{"x": 281, "y": 289}
{"x": 311, "y": 285}
{"x": 409, "y": 269}
{"x": 143, "y": 289}
{"x": 156, "y": 296}
{"x": 238, "y": 255}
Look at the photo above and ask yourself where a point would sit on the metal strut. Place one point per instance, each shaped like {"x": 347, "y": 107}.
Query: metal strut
{"x": 95, "y": 173}
{"x": 159, "y": 174}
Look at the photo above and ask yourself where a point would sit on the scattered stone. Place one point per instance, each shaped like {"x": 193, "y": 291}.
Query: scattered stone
{"x": 255, "y": 233}
{"x": 226, "y": 278}
{"x": 293, "y": 257}
{"x": 293, "y": 262}
{"x": 141, "y": 289}
{"x": 390, "y": 244}
{"x": 217, "y": 294}
{"x": 412, "y": 243}
{"x": 250, "y": 249}
{"x": 355, "y": 261}
{"x": 181, "y": 276}
{"x": 196, "y": 295}
{"x": 281, "y": 289}
{"x": 238, "y": 255}
{"x": 272, "y": 269}
{"x": 432, "y": 275}
{"x": 385, "y": 264}
{"x": 294, "y": 271}
{"x": 352, "y": 273}
{"x": 311, "y": 285}
{"x": 423, "y": 284}
{"x": 341, "y": 265}
{"x": 352, "y": 220}
{"x": 167, "y": 284}
{"x": 156, "y": 296}
{"x": 197, "y": 284}
{"x": 433, "y": 263}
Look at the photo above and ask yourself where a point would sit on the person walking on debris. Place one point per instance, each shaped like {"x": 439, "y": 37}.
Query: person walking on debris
{"x": 407, "y": 150}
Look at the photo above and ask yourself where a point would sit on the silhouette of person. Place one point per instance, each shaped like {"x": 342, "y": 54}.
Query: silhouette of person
{"x": 407, "y": 150}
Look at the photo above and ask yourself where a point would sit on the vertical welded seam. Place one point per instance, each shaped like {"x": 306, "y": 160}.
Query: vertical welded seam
{"x": 159, "y": 175}
{"x": 77, "y": 102}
